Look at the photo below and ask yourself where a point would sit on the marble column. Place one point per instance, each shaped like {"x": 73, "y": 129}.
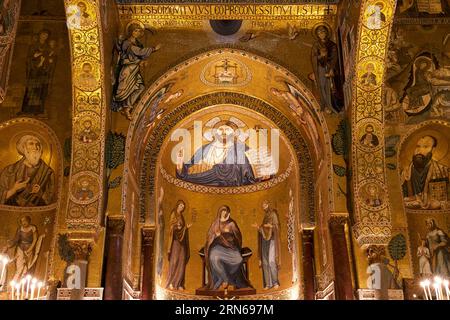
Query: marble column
{"x": 114, "y": 245}
{"x": 82, "y": 249}
{"x": 308, "y": 263}
{"x": 342, "y": 273}
{"x": 147, "y": 244}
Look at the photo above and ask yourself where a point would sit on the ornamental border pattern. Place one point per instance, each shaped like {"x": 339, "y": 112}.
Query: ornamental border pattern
{"x": 373, "y": 225}
{"x": 242, "y": 11}
{"x": 87, "y": 158}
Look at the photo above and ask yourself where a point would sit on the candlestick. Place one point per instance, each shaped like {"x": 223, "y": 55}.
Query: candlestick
{"x": 427, "y": 285}
{"x": 28, "y": 277}
{"x": 33, "y": 287}
{"x": 422, "y": 284}
{"x": 438, "y": 282}
{"x": 447, "y": 290}
{"x": 22, "y": 287}
{"x": 40, "y": 284}
{"x": 18, "y": 291}
{"x": 436, "y": 290}
{"x": 13, "y": 285}
{"x": 5, "y": 261}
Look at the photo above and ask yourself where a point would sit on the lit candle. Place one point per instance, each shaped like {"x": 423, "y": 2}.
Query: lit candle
{"x": 40, "y": 284}
{"x": 422, "y": 284}
{"x": 447, "y": 290}
{"x": 439, "y": 281}
{"x": 13, "y": 286}
{"x": 436, "y": 290}
{"x": 427, "y": 285}
{"x": 28, "y": 277}
{"x": 33, "y": 287}
{"x": 5, "y": 261}
{"x": 22, "y": 285}
{"x": 18, "y": 291}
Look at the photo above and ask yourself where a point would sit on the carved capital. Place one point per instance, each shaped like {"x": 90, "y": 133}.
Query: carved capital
{"x": 337, "y": 221}
{"x": 116, "y": 225}
{"x": 148, "y": 234}
{"x": 81, "y": 248}
{"x": 375, "y": 253}
{"x": 308, "y": 236}
{"x": 371, "y": 234}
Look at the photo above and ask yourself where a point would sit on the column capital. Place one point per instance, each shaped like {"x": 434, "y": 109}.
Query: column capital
{"x": 308, "y": 235}
{"x": 116, "y": 225}
{"x": 82, "y": 248}
{"x": 148, "y": 235}
{"x": 370, "y": 234}
{"x": 308, "y": 226}
{"x": 337, "y": 220}
{"x": 375, "y": 253}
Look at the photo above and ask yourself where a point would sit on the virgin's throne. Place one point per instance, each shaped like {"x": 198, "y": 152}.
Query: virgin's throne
{"x": 224, "y": 293}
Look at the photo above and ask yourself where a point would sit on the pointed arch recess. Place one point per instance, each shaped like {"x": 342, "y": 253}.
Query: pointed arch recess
{"x": 137, "y": 190}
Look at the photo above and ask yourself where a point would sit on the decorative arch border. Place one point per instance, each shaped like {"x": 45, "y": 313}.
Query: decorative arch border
{"x": 86, "y": 43}
{"x": 130, "y": 186}
{"x": 162, "y": 130}
{"x": 229, "y": 190}
{"x": 281, "y": 176}
{"x": 59, "y": 174}
{"x": 172, "y": 70}
{"x": 373, "y": 225}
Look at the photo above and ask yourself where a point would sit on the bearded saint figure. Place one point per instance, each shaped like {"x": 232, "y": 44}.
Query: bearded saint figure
{"x": 423, "y": 171}
{"x": 30, "y": 181}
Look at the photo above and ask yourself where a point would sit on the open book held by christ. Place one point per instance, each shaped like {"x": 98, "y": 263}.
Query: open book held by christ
{"x": 429, "y": 6}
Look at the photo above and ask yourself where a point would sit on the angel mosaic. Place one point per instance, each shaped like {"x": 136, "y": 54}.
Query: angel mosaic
{"x": 297, "y": 103}
{"x": 129, "y": 82}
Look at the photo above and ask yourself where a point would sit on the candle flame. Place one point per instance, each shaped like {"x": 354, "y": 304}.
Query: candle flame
{"x": 438, "y": 280}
